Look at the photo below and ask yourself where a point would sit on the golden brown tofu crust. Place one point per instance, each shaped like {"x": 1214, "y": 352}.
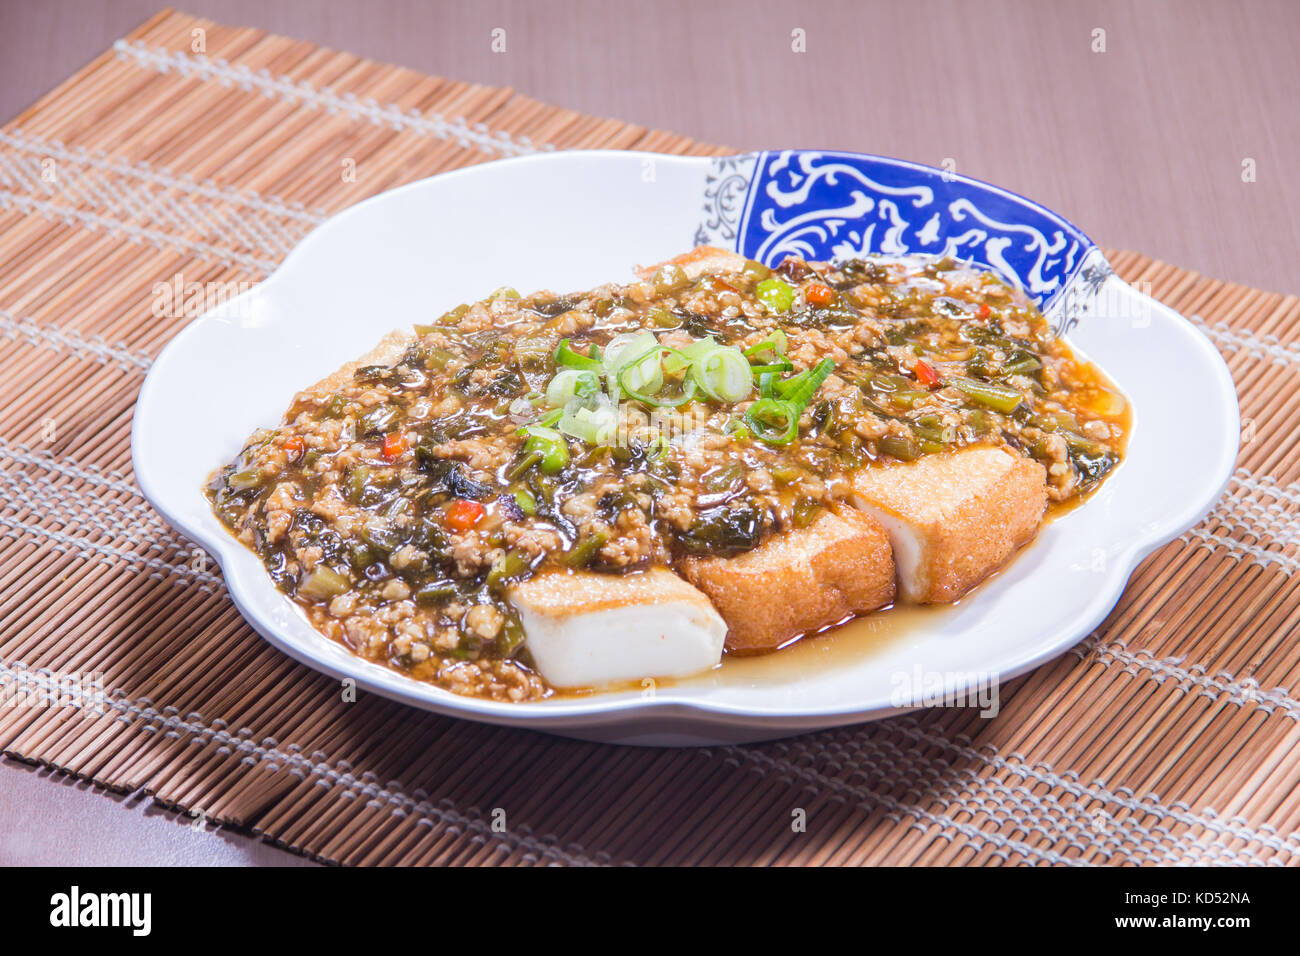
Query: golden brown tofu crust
{"x": 802, "y": 581}
{"x": 971, "y": 510}
{"x": 700, "y": 260}
{"x": 567, "y": 593}
{"x": 386, "y": 352}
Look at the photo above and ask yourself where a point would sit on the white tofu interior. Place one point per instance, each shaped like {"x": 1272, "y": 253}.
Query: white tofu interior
{"x": 908, "y": 545}
{"x": 584, "y": 633}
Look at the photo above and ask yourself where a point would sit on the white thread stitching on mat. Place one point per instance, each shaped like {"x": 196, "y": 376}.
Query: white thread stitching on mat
{"x": 1244, "y": 510}
{"x": 68, "y": 467}
{"x": 1163, "y": 847}
{"x": 71, "y": 508}
{"x": 92, "y": 347}
{"x": 145, "y": 200}
{"x": 1236, "y": 827}
{"x": 395, "y": 795}
{"x": 139, "y": 234}
{"x": 1239, "y": 691}
{"x": 84, "y": 547}
{"x": 337, "y": 775}
{"x": 127, "y": 202}
{"x": 160, "y": 176}
{"x": 1044, "y": 815}
{"x": 1056, "y": 830}
{"x": 1267, "y": 485}
{"x": 934, "y": 781}
{"x": 783, "y": 768}
{"x": 1211, "y": 541}
{"x": 1016, "y": 806}
{"x": 1261, "y": 347}
{"x": 478, "y": 135}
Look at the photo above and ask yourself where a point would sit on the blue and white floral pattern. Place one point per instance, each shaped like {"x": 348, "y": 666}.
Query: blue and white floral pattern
{"x": 828, "y": 205}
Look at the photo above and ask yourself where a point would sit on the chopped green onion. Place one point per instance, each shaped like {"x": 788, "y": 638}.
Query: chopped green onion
{"x": 670, "y": 278}
{"x": 664, "y": 319}
{"x": 566, "y": 356}
{"x": 806, "y": 511}
{"x": 998, "y": 397}
{"x": 246, "y": 479}
{"x": 800, "y": 388}
{"x": 907, "y": 397}
{"x": 1023, "y": 365}
{"x": 737, "y": 429}
{"x": 655, "y": 398}
{"x": 593, "y": 420}
{"x": 723, "y": 373}
{"x": 657, "y": 447}
{"x": 638, "y": 350}
{"x": 546, "y": 421}
{"x": 322, "y": 583}
{"x": 904, "y": 449}
{"x": 776, "y": 294}
{"x": 525, "y": 463}
{"x": 508, "y": 568}
{"x": 355, "y": 484}
{"x": 755, "y": 271}
{"x": 580, "y": 554}
{"x": 434, "y": 591}
{"x": 776, "y": 342}
{"x": 437, "y": 358}
{"x": 570, "y": 383}
{"x": 773, "y": 420}
{"x": 526, "y": 502}
{"x": 550, "y": 444}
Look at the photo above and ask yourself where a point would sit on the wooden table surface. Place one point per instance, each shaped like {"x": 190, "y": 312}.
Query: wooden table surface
{"x": 1165, "y": 126}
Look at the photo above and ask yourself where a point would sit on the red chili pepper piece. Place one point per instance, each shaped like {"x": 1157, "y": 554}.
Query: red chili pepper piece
{"x": 394, "y": 445}
{"x": 818, "y": 294}
{"x": 926, "y": 375}
{"x": 463, "y": 514}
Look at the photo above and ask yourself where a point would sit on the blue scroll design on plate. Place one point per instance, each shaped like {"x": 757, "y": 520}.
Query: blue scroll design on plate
{"x": 829, "y": 205}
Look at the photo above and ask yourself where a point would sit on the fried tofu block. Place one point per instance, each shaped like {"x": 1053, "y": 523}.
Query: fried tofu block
{"x": 800, "y": 581}
{"x": 700, "y": 260}
{"x": 586, "y": 629}
{"x": 389, "y": 350}
{"x": 953, "y": 518}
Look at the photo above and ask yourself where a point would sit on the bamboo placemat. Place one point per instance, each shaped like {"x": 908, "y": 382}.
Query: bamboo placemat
{"x": 1168, "y": 736}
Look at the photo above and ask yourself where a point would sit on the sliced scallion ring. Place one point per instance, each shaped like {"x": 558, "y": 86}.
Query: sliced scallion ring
{"x": 637, "y": 350}
{"x": 658, "y": 399}
{"x": 799, "y": 388}
{"x": 594, "y": 420}
{"x": 773, "y": 420}
{"x": 776, "y": 342}
{"x": 723, "y": 373}
{"x": 567, "y": 357}
{"x": 785, "y": 365}
{"x": 546, "y": 421}
{"x": 571, "y": 383}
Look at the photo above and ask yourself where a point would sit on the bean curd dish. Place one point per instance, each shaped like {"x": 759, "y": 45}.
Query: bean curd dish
{"x": 554, "y": 493}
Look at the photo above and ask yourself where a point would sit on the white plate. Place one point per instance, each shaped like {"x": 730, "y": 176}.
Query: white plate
{"x": 567, "y": 221}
